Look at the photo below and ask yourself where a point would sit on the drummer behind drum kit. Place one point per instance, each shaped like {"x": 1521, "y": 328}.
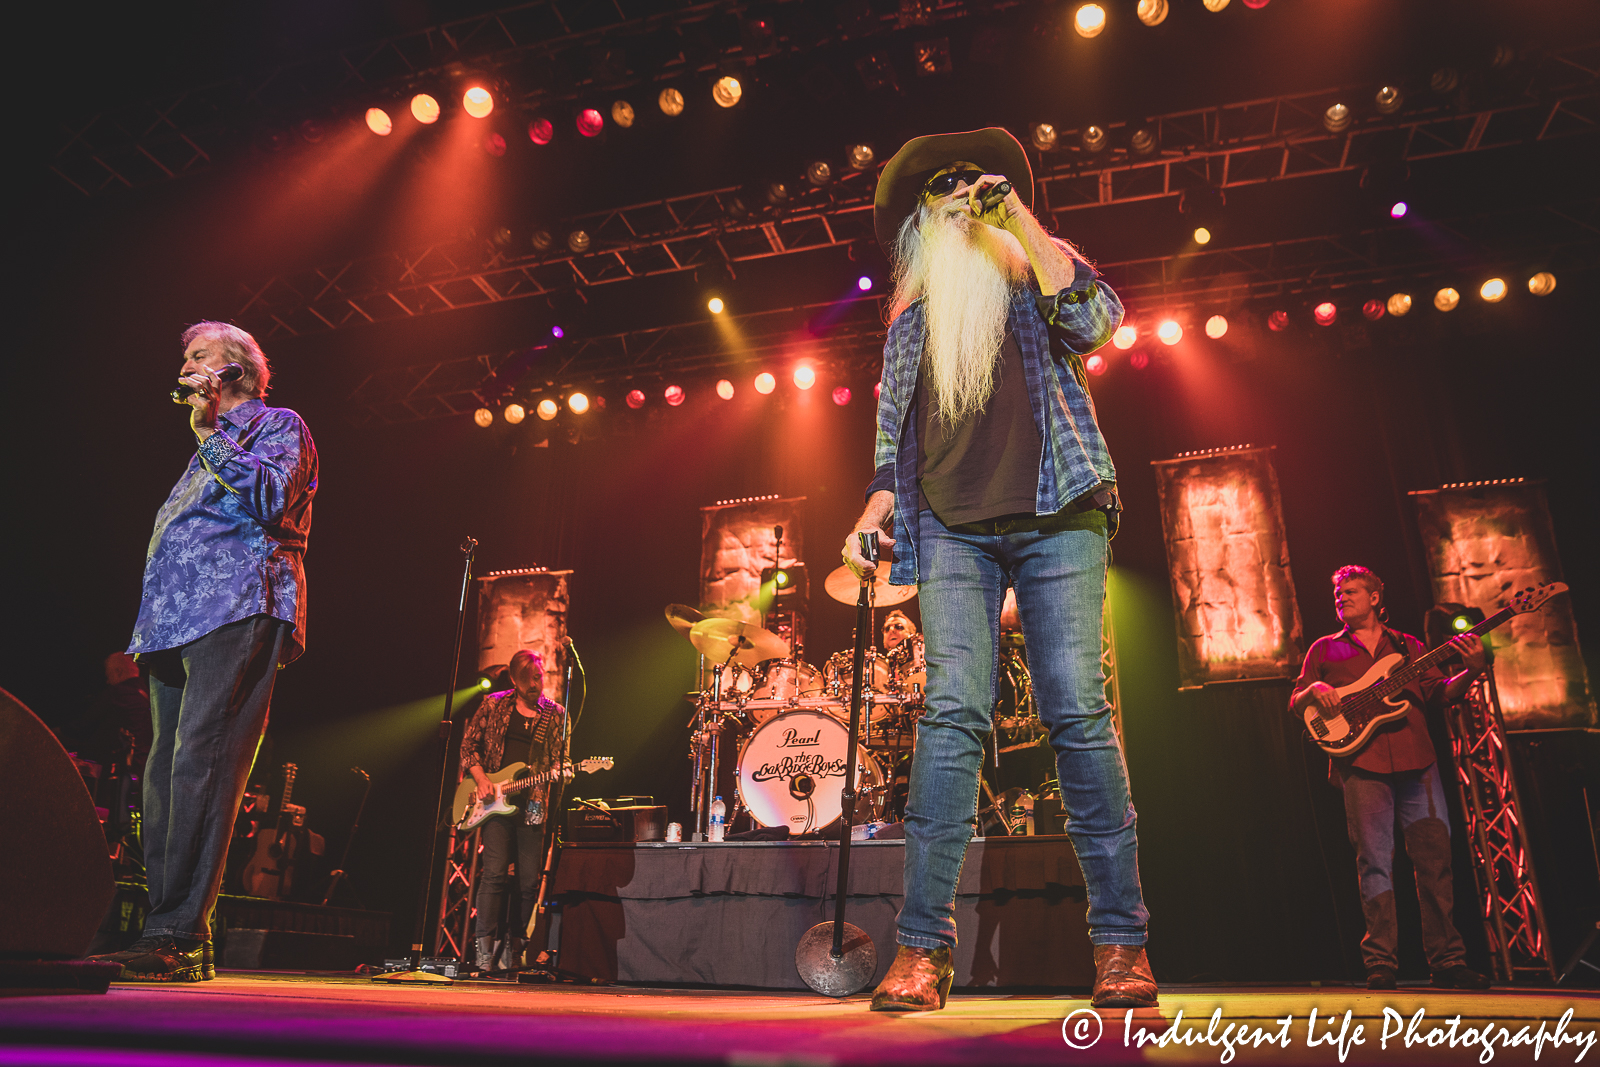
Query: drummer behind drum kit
{"x": 788, "y": 719}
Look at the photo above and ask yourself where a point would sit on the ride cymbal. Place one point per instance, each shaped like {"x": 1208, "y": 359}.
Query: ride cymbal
{"x": 716, "y": 638}
{"x": 844, "y": 587}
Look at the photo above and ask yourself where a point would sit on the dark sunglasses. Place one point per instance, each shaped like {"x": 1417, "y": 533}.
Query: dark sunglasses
{"x": 944, "y": 184}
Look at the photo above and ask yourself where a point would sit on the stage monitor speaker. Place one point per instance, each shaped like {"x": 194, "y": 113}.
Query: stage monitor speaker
{"x": 56, "y": 878}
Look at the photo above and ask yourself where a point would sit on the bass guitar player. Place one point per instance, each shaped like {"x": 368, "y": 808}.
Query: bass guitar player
{"x": 1392, "y": 777}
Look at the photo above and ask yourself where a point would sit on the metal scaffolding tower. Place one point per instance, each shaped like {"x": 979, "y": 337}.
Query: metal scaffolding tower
{"x": 1508, "y": 888}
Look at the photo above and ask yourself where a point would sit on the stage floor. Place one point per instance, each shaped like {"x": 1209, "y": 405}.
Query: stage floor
{"x": 246, "y": 1018}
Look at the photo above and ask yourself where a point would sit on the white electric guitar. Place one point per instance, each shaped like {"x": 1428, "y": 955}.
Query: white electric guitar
{"x": 1376, "y": 697}
{"x": 467, "y": 813}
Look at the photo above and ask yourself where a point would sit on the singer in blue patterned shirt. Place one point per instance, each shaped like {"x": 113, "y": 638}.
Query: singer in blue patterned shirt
{"x": 224, "y": 607}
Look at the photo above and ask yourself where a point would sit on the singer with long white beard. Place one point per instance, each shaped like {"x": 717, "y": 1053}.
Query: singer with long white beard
{"x": 224, "y": 607}
{"x": 991, "y": 474}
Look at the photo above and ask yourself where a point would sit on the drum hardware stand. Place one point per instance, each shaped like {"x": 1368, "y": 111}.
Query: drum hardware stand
{"x": 705, "y": 776}
{"x": 414, "y": 974}
{"x": 342, "y": 875}
{"x": 837, "y": 959}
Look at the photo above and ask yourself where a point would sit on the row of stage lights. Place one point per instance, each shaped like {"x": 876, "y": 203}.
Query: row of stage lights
{"x": 1169, "y": 331}
{"x": 804, "y": 376}
{"x": 1090, "y": 19}
{"x": 478, "y": 102}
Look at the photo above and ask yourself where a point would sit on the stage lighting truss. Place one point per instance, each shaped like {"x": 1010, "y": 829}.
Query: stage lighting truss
{"x": 1221, "y": 147}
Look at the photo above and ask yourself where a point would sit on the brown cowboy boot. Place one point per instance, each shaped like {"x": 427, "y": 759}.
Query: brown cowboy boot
{"x": 1122, "y": 978}
{"x": 918, "y": 980}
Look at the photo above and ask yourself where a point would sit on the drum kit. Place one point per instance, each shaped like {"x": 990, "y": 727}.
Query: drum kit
{"x": 785, "y": 720}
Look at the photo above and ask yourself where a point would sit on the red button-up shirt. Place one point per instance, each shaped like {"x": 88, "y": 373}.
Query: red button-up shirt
{"x": 1402, "y": 745}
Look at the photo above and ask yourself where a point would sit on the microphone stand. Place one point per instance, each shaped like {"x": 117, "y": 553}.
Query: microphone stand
{"x": 342, "y": 874}
{"x": 826, "y": 961}
{"x": 415, "y": 975}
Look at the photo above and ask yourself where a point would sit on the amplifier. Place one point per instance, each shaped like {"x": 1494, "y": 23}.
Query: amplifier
{"x": 597, "y": 821}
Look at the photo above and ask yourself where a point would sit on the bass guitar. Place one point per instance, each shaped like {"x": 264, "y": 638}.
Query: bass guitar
{"x": 1377, "y": 697}
{"x": 270, "y": 872}
{"x": 467, "y": 813}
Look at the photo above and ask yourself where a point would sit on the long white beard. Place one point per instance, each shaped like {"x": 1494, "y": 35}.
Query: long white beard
{"x": 968, "y": 273}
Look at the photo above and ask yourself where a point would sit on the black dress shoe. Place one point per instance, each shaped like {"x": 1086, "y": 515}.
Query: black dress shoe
{"x": 1381, "y": 978}
{"x": 1460, "y": 976}
{"x": 172, "y": 961}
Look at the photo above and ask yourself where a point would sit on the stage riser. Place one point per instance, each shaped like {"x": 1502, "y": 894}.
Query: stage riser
{"x": 738, "y": 911}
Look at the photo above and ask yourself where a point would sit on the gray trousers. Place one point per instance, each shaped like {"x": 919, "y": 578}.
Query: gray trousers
{"x": 208, "y": 708}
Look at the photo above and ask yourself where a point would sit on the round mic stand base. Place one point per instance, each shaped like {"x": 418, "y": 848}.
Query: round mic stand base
{"x": 836, "y": 976}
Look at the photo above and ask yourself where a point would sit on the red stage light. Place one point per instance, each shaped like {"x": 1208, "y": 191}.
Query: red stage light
{"x": 674, "y": 395}
{"x": 1373, "y": 310}
{"x": 540, "y": 131}
{"x": 1139, "y": 360}
{"x": 1095, "y": 364}
{"x": 1255, "y": 5}
{"x": 477, "y": 102}
{"x": 1278, "y": 321}
{"x": 725, "y": 389}
{"x": 765, "y": 383}
{"x": 379, "y": 122}
{"x": 636, "y": 398}
{"x": 841, "y": 395}
{"x": 494, "y": 144}
{"x": 1325, "y": 313}
{"x": 590, "y": 122}
{"x": 877, "y": 390}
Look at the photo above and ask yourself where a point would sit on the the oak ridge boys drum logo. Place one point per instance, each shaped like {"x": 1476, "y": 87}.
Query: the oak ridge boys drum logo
{"x": 814, "y": 764}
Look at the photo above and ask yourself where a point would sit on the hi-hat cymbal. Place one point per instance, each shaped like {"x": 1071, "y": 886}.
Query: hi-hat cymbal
{"x": 683, "y": 617}
{"x": 844, "y": 587}
{"x": 715, "y": 638}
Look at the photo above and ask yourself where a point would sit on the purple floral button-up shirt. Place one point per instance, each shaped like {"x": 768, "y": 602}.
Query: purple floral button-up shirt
{"x": 230, "y": 541}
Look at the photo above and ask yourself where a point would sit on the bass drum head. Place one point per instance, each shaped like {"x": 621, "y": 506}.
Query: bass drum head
{"x": 791, "y": 773}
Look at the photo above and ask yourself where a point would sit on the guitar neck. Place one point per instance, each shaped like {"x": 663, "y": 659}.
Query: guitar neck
{"x": 1414, "y": 670}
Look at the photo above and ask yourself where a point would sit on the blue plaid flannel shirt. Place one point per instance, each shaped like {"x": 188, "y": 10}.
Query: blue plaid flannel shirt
{"x": 1054, "y": 333}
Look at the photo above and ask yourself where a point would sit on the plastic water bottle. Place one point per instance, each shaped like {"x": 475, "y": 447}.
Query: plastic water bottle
{"x": 719, "y": 819}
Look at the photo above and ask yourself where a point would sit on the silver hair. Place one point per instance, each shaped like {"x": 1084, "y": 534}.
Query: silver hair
{"x": 239, "y": 347}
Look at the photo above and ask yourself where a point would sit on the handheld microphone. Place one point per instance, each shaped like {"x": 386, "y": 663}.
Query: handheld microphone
{"x": 997, "y": 193}
{"x": 231, "y": 373}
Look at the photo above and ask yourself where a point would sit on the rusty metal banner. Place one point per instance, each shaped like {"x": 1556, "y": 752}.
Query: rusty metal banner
{"x": 524, "y": 609}
{"x": 1485, "y": 541}
{"x": 1228, "y": 557}
{"x": 736, "y": 541}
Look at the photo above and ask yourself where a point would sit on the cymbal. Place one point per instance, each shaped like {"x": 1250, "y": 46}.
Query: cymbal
{"x": 844, "y": 587}
{"x": 715, "y": 638}
{"x": 682, "y": 617}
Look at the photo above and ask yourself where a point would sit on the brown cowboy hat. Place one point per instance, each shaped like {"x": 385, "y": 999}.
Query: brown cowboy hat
{"x": 903, "y": 177}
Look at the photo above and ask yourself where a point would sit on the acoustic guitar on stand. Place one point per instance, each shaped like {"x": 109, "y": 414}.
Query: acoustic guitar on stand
{"x": 467, "y": 813}
{"x": 1378, "y": 696}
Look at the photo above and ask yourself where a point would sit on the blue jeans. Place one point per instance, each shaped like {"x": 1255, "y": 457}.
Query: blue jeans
{"x": 1057, "y": 564}
{"x": 1373, "y": 803}
{"x": 208, "y": 707}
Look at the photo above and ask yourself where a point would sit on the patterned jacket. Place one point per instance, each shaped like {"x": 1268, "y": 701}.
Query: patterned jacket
{"x": 483, "y": 744}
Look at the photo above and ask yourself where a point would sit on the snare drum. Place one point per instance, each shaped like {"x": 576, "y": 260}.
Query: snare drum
{"x": 773, "y": 682}
{"x": 791, "y": 773}
{"x": 909, "y": 665}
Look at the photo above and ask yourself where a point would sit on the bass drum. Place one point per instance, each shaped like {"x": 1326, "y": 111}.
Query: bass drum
{"x": 791, "y": 773}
